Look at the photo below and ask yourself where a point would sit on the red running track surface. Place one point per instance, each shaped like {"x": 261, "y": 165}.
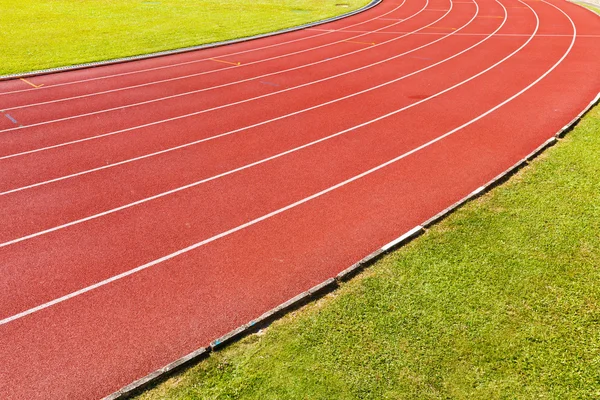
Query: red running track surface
{"x": 150, "y": 207}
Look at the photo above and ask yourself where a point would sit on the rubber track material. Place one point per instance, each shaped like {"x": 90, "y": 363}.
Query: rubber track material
{"x": 158, "y": 209}
{"x": 121, "y": 60}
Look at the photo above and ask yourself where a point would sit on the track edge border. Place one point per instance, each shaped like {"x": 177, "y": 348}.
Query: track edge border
{"x": 581, "y": 3}
{"x": 121, "y": 60}
{"x": 331, "y": 284}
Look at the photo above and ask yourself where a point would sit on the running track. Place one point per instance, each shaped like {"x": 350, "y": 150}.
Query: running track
{"x": 150, "y": 207}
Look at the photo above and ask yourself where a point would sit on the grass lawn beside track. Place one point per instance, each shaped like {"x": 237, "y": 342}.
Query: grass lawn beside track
{"x": 596, "y": 9}
{"x": 501, "y": 300}
{"x": 39, "y": 34}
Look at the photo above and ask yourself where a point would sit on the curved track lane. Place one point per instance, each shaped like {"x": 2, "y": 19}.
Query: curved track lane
{"x": 150, "y": 207}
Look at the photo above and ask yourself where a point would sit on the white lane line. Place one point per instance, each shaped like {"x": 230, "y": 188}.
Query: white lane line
{"x": 104, "y": 167}
{"x": 209, "y": 109}
{"x": 177, "y": 78}
{"x": 498, "y": 35}
{"x": 477, "y": 191}
{"x": 262, "y": 161}
{"x": 204, "y": 59}
{"x": 402, "y": 238}
{"x": 302, "y": 201}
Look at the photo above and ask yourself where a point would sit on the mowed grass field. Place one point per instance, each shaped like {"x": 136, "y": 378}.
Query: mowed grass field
{"x": 499, "y": 301}
{"x": 39, "y": 34}
{"x": 593, "y": 8}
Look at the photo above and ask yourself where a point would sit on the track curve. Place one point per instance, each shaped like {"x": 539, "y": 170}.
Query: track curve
{"x": 150, "y": 207}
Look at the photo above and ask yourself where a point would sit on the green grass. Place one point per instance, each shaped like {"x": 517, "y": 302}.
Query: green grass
{"x": 38, "y": 34}
{"x": 499, "y": 301}
{"x": 596, "y": 9}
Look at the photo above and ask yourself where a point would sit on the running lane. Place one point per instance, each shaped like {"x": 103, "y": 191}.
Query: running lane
{"x": 121, "y": 253}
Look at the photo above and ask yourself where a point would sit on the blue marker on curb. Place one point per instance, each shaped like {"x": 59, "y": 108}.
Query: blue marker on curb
{"x": 14, "y": 121}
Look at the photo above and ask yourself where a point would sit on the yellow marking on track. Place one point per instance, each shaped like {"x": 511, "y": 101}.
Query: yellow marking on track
{"x": 226, "y": 62}
{"x": 32, "y": 84}
{"x": 351, "y": 41}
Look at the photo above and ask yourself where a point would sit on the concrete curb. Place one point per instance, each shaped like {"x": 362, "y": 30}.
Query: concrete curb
{"x": 442, "y": 214}
{"x": 265, "y": 319}
{"x": 568, "y": 127}
{"x": 275, "y": 313}
{"x": 354, "y": 269}
{"x": 345, "y": 275}
{"x": 587, "y": 3}
{"x": 149, "y": 380}
{"x": 504, "y": 176}
{"x": 331, "y": 284}
{"x": 371, "y": 4}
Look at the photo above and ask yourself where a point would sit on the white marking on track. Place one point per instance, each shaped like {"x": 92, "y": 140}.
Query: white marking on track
{"x": 402, "y": 238}
{"x": 262, "y": 161}
{"x": 104, "y": 167}
{"x": 477, "y": 191}
{"x": 196, "y": 61}
{"x": 213, "y": 108}
{"x": 206, "y": 110}
{"x": 541, "y": 35}
{"x": 200, "y": 74}
{"x": 306, "y": 199}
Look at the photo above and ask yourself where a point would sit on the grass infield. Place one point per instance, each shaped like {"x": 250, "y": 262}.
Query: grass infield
{"x": 591, "y": 7}
{"x": 501, "y": 300}
{"x": 40, "y": 34}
